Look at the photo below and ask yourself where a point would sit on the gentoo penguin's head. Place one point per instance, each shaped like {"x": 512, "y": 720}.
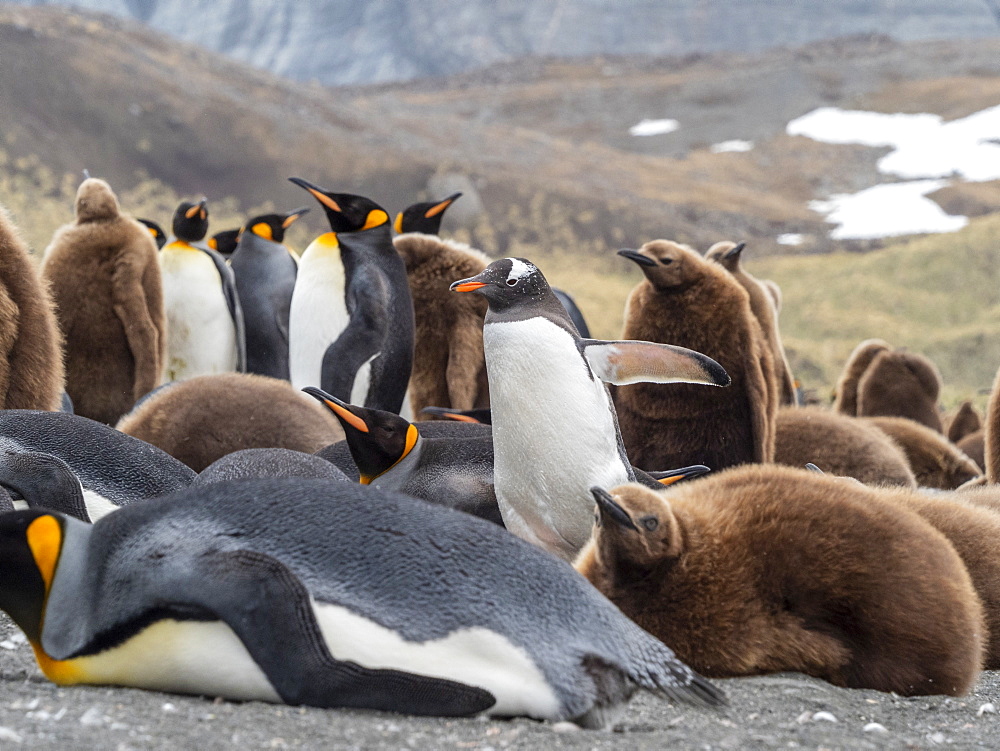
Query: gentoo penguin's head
{"x": 273, "y": 226}
{"x": 30, "y": 544}
{"x": 95, "y": 201}
{"x": 346, "y": 212}
{"x": 424, "y": 217}
{"x": 190, "y": 222}
{"x": 378, "y": 440}
{"x": 635, "y": 527}
{"x": 727, "y": 254}
{"x": 509, "y": 283}
{"x": 666, "y": 264}
{"x": 156, "y": 232}
{"x": 224, "y": 242}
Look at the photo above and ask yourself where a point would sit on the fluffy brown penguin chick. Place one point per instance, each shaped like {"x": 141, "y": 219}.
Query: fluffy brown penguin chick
{"x": 991, "y": 434}
{"x": 204, "y": 418}
{"x": 974, "y": 446}
{"x": 840, "y": 445}
{"x": 688, "y": 301}
{"x": 965, "y": 421}
{"x": 449, "y": 367}
{"x": 763, "y": 303}
{"x": 846, "y": 395}
{"x": 936, "y": 462}
{"x": 898, "y": 383}
{"x": 31, "y": 364}
{"x": 761, "y": 569}
{"x": 106, "y": 285}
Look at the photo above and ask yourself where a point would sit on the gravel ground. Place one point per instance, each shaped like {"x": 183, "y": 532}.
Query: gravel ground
{"x": 778, "y": 711}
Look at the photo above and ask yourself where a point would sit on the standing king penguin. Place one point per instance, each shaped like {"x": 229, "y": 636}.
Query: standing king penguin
{"x": 204, "y": 318}
{"x": 555, "y": 432}
{"x": 108, "y": 293}
{"x": 31, "y": 366}
{"x": 231, "y": 589}
{"x": 351, "y": 326}
{"x": 265, "y": 277}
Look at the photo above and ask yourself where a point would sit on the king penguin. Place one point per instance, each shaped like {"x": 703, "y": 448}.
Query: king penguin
{"x": 232, "y": 589}
{"x": 204, "y": 319}
{"x": 155, "y": 231}
{"x": 542, "y": 372}
{"x": 224, "y": 243}
{"x": 351, "y": 327}
{"x": 265, "y": 277}
{"x": 424, "y": 217}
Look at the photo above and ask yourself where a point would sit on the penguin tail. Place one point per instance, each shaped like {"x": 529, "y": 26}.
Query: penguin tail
{"x": 655, "y": 668}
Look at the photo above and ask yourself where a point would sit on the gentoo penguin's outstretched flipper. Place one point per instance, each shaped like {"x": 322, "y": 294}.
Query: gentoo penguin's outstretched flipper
{"x": 625, "y": 362}
{"x": 233, "y": 303}
{"x": 228, "y": 589}
{"x": 41, "y": 479}
{"x": 424, "y": 217}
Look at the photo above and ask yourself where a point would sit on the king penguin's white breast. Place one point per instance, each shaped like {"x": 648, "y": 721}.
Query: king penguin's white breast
{"x": 318, "y": 313}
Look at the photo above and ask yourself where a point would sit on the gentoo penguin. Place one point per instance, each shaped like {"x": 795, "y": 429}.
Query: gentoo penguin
{"x": 391, "y": 453}
{"x": 204, "y": 319}
{"x": 688, "y": 301}
{"x": 351, "y": 327}
{"x": 224, "y": 243}
{"x": 449, "y": 368}
{"x": 936, "y": 462}
{"x": 31, "y": 365}
{"x": 265, "y": 277}
{"x": 555, "y": 434}
{"x": 898, "y": 383}
{"x": 258, "y": 463}
{"x": 105, "y": 282}
{"x": 424, "y": 217}
{"x": 761, "y": 569}
{"x": 232, "y": 589}
{"x": 846, "y": 392}
{"x": 156, "y": 232}
{"x": 762, "y": 302}
{"x": 79, "y": 466}
{"x": 840, "y": 445}
{"x": 202, "y": 419}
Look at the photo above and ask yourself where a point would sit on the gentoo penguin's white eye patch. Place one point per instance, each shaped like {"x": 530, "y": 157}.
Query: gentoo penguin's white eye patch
{"x": 518, "y": 270}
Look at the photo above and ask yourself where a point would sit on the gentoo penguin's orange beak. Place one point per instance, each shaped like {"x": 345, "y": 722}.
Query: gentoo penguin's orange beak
{"x": 467, "y": 286}
{"x": 339, "y": 408}
{"x": 684, "y": 473}
{"x": 635, "y": 255}
{"x": 612, "y": 510}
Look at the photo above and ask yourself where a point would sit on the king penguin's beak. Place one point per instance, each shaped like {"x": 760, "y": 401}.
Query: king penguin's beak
{"x": 635, "y": 255}
{"x": 612, "y": 510}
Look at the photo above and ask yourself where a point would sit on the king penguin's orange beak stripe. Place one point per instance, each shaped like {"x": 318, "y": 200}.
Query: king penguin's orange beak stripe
{"x": 347, "y": 416}
{"x": 435, "y": 210}
{"x": 468, "y": 286}
{"x": 670, "y": 480}
{"x": 459, "y": 418}
{"x": 325, "y": 200}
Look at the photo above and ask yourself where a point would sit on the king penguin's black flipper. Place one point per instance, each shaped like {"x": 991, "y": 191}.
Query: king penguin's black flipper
{"x": 233, "y": 302}
{"x": 42, "y": 480}
{"x": 356, "y": 345}
{"x": 271, "y": 612}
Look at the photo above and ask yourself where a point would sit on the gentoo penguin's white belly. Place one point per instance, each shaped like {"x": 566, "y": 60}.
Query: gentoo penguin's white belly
{"x": 201, "y": 335}
{"x": 473, "y": 656}
{"x": 554, "y": 434}
{"x": 189, "y": 657}
{"x": 318, "y": 313}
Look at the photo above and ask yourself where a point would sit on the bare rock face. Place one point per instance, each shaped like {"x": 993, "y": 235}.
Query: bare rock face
{"x": 344, "y": 42}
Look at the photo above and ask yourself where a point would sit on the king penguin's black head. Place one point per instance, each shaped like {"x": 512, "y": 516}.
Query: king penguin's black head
{"x": 424, "y": 217}
{"x": 30, "y": 543}
{"x": 273, "y": 226}
{"x": 507, "y": 283}
{"x": 191, "y": 221}
{"x": 346, "y": 212}
{"x": 224, "y": 242}
{"x": 378, "y": 440}
{"x": 156, "y": 231}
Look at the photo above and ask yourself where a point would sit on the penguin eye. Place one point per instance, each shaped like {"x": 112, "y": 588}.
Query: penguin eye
{"x": 650, "y": 523}
{"x": 512, "y": 282}
{"x": 666, "y": 261}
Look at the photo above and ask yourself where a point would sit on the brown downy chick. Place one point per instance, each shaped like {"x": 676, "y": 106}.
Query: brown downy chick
{"x": 936, "y": 462}
{"x": 31, "y": 364}
{"x": 901, "y": 384}
{"x": 763, "y": 569}
{"x": 846, "y": 395}
{"x": 690, "y": 302}
{"x": 764, "y": 306}
{"x": 965, "y": 421}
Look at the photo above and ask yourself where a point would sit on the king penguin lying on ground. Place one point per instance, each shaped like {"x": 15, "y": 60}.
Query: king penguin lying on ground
{"x": 233, "y": 589}
{"x": 555, "y": 432}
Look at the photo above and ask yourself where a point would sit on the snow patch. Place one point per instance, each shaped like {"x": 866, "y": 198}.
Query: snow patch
{"x": 735, "y": 145}
{"x": 653, "y": 127}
